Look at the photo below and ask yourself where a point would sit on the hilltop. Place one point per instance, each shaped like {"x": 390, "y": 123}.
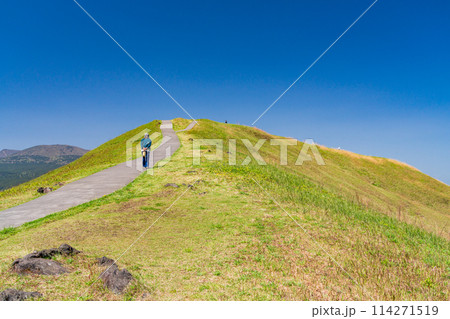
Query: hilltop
{"x": 245, "y": 232}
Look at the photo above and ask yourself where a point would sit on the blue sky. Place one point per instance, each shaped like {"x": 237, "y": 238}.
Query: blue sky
{"x": 382, "y": 90}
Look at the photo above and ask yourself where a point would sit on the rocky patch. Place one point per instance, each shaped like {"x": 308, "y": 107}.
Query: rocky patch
{"x": 44, "y": 190}
{"x": 64, "y": 249}
{"x": 105, "y": 261}
{"x": 67, "y": 250}
{"x": 39, "y": 262}
{"x": 18, "y": 295}
{"x": 113, "y": 278}
{"x": 38, "y": 266}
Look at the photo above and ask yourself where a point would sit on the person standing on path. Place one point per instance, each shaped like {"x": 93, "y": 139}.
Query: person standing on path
{"x": 146, "y": 143}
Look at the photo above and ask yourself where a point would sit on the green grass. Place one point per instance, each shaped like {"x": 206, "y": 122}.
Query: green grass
{"x": 385, "y": 185}
{"x": 226, "y": 239}
{"x": 180, "y": 123}
{"x": 106, "y": 155}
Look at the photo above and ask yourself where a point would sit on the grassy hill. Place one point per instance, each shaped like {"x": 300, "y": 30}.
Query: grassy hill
{"x": 251, "y": 232}
{"x": 106, "y": 155}
{"x": 388, "y": 186}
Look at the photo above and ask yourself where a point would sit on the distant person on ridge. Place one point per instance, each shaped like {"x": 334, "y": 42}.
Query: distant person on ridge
{"x": 146, "y": 143}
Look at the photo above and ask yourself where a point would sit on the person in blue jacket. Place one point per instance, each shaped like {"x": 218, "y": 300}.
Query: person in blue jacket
{"x": 146, "y": 143}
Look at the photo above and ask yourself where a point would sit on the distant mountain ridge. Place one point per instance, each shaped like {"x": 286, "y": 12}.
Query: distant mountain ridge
{"x": 5, "y": 152}
{"x": 17, "y": 167}
{"x": 50, "y": 151}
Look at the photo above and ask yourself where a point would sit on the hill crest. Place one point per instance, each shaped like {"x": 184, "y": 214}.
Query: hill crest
{"x": 6, "y": 152}
{"x": 51, "y": 151}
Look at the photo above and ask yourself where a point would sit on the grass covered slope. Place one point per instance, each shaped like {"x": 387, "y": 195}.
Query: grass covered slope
{"x": 180, "y": 123}
{"x": 106, "y": 155}
{"x": 228, "y": 239}
{"x": 386, "y": 185}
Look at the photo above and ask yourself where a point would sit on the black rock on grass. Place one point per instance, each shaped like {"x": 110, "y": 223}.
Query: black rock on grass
{"x": 39, "y": 262}
{"x": 116, "y": 280}
{"x": 64, "y": 250}
{"x": 44, "y": 190}
{"x": 67, "y": 250}
{"x": 113, "y": 278}
{"x": 105, "y": 261}
{"x": 38, "y": 266}
{"x": 18, "y": 295}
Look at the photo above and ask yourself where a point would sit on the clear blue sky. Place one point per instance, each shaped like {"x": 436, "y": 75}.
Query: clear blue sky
{"x": 383, "y": 89}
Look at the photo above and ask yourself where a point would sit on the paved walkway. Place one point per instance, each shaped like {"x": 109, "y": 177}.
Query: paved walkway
{"x": 91, "y": 187}
{"x": 191, "y": 125}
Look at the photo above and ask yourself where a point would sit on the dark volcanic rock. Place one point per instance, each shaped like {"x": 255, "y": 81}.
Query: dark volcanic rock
{"x": 116, "y": 280}
{"x": 44, "y": 190}
{"x": 38, "y": 261}
{"x": 171, "y": 185}
{"x": 105, "y": 261}
{"x": 46, "y": 253}
{"x": 64, "y": 249}
{"x": 39, "y": 266}
{"x": 68, "y": 250}
{"x": 17, "y": 295}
